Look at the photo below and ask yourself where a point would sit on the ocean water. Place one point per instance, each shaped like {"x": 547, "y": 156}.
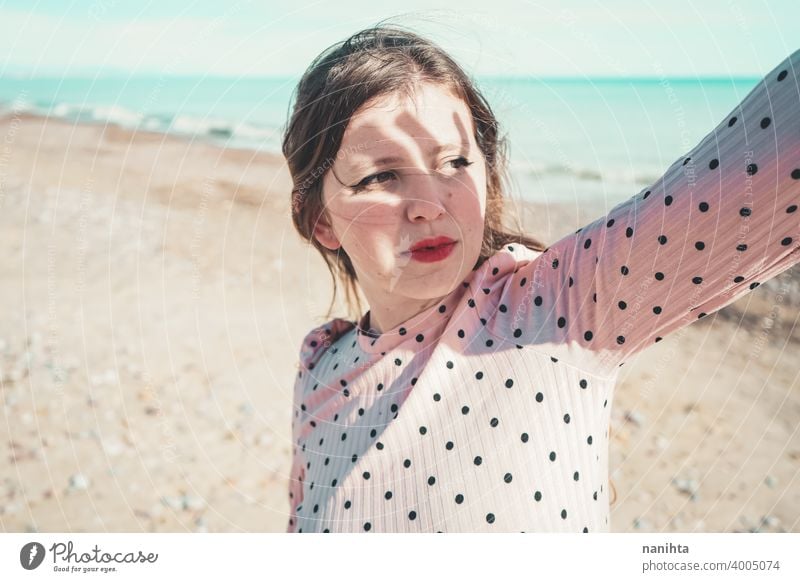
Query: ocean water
{"x": 570, "y": 140}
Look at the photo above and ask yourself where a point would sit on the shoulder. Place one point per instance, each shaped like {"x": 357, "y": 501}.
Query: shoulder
{"x": 319, "y": 339}
{"x": 502, "y": 266}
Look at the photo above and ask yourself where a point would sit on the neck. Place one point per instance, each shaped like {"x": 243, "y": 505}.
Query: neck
{"x": 378, "y": 321}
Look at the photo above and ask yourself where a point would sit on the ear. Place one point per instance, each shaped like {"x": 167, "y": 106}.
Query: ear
{"x": 325, "y": 235}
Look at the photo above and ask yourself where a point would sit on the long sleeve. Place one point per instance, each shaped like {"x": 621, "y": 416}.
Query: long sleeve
{"x": 297, "y": 474}
{"x": 722, "y": 219}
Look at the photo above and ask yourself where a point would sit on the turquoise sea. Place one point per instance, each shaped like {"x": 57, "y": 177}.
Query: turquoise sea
{"x": 571, "y": 140}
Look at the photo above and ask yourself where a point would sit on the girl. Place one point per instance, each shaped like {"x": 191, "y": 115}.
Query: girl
{"x": 475, "y": 394}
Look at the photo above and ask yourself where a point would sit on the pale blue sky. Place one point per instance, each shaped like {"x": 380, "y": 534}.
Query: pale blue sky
{"x": 561, "y": 38}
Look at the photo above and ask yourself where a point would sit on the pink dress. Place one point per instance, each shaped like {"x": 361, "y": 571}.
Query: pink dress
{"x": 489, "y": 412}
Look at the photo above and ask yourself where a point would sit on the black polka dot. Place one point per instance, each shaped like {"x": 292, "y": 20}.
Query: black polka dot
{"x": 437, "y": 397}
{"x": 703, "y": 207}
{"x": 459, "y": 498}
{"x": 552, "y": 455}
{"x": 575, "y": 476}
{"x": 563, "y": 514}
{"x": 478, "y": 375}
{"x": 461, "y": 333}
{"x": 465, "y": 410}
{"x": 524, "y": 437}
{"x": 745, "y": 211}
{"x": 420, "y": 337}
{"x": 620, "y": 339}
{"x": 537, "y": 300}
{"x": 589, "y": 440}
{"x": 443, "y": 308}
{"x": 537, "y": 496}
{"x": 646, "y": 194}
{"x": 566, "y": 418}
{"x": 562, "y": 322}
{"x": 509, "y": 383}
{"x": 402, "y": 331}
{"x": 539, "y": 397}
{"x": 622, "y": 305}
{"x": 697, "y": 280}
{"x": 583, "y": 384}
{"x": 490, "y": 517}
{"x": 741, "y": 247}
{"x": 713, "y": 164}
{"x": 624, "y": 270}
{"x": 412, "y": 515}
{"x": 347, "y": 504}
{"x": 751, "y": 169}
{"x": 449, "y": 445}
{"x": 471, "y": 303}
{"x": 367, "y": 526}
{"x": 555, "y": 263}
{"x": 407, "y": 463}
{"x": 782, "y": 75}
{"x": 662, "y": 239}
{"x": 786, "y": 241}
{"x": 365, "y": 474}
{"x": 517, "y": 332}
{"x": 738, "y": 279}
{"x": 667, "y": 200}
{"x": 610, "y": 223}
{"x": 699, "y": 245}
{"x": 765, "y": 122}
{"x": 507, "y": 477}
{"x": 422, "y": 430}
{"x": 754, "y": 285}
{"x": 657, "y": 309}
{"x": 588, "y": 335}
{"x": 731, "y": 121}
{"x": 387, "y": 495}
{"x": 659, "y": 276}
{"x": 494, "y": 422}
{"x": 431, "y": 480}
{"x": 449, "y": 364}
{"x": 796, "y": 174}
{"x": 477, "y": 460}
{"x": 523, "y": 281}
{"x": 489, "y": 343}
{"x": 629, "y": 232}
{"x": 792, "y": 208}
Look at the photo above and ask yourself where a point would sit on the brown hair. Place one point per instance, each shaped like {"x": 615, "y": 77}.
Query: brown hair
{"x": 378, "y": 61}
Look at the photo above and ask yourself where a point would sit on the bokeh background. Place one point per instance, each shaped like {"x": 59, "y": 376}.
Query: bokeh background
{"x": 154, "y": 294}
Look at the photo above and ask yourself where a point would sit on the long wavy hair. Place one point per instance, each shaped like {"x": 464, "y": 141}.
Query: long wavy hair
{"x": 378, "y": 61}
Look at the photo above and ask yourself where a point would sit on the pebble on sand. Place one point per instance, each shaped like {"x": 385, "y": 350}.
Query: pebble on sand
{"x": 79, "y": 482}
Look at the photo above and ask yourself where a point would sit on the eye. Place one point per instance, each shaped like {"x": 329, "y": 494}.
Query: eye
{"x": 461, "y": 162}
{"x": 373, "y": 179}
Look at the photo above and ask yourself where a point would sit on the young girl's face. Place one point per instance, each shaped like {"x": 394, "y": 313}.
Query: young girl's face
{"x": 433, "y": 184}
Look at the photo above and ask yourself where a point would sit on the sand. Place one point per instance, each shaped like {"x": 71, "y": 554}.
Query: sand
{"x": 155, "y": 295}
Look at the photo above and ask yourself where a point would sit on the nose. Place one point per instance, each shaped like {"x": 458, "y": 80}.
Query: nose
{"x": 425, "y": 198}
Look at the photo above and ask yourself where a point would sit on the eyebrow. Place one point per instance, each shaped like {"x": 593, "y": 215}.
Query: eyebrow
{"x": 364, "y": 166}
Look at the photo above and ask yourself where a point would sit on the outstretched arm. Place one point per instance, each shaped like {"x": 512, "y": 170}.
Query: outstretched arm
{"x": 723, "y": 219}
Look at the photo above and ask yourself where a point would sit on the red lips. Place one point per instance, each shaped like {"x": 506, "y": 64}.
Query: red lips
{"x": 431, "y": 243}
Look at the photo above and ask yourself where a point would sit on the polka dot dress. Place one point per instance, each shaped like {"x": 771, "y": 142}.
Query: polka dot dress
{"x": 489, "y": 412}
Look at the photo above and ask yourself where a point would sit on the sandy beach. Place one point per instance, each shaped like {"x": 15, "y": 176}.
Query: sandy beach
{"x": 155, "y": 296}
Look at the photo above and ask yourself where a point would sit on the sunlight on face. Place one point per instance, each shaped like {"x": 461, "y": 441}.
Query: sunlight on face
{"x": 407, "y": 170}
